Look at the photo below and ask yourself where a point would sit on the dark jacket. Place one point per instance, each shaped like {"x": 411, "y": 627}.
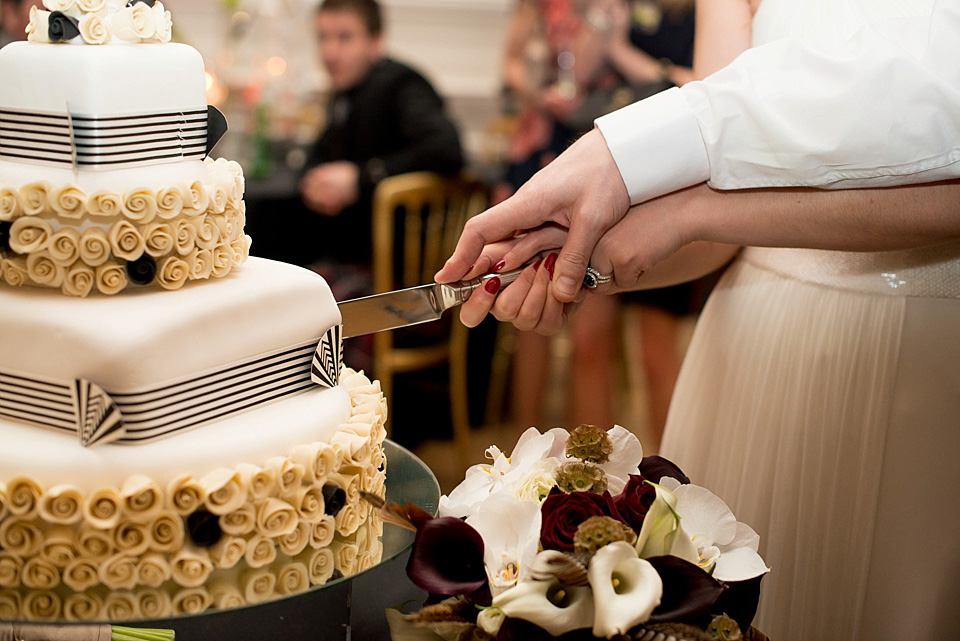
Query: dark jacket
{"x": 392, "y": 123}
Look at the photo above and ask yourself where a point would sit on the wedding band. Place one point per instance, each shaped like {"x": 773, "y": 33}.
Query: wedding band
{"x": 593, "y": 278}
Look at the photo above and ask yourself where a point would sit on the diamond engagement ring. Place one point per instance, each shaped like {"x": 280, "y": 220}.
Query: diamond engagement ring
{"x": 593, "y": 278}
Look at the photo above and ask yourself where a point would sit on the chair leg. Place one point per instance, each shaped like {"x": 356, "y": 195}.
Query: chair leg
{"x": 503, "y": 349}
{"x": 459, "y": 401}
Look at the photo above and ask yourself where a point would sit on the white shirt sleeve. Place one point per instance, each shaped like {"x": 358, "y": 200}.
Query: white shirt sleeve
{"x": 883, "y": 109}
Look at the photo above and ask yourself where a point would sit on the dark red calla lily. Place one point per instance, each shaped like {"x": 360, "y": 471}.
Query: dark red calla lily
{"x": 447, "y": 557}
{"x": 688, "y": 591}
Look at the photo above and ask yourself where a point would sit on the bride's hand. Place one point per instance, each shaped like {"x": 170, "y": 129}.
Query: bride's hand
{"x": 523, "y": 302}
{"x": 581, "y": 191}
{"x": 527, "y": 302}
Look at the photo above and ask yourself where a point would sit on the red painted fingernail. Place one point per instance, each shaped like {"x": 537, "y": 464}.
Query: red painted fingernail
{"x": 549, "y": 263}
{"x": 492, "y": 286}
{"x": 500, "y": 265}
{"x": 536, "y": 265}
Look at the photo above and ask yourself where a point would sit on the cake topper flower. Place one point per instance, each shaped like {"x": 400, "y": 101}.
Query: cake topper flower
{"x": 607, "y": 542}
{"x": 61, "y": 27}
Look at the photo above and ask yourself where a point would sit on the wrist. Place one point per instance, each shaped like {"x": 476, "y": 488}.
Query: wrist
{"x": 697, "y": 214}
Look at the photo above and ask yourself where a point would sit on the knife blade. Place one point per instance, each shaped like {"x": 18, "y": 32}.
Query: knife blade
{"x": 412, "y": 306}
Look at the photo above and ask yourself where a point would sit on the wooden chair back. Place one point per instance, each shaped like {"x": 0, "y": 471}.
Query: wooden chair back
{"x": 417, "y": 220}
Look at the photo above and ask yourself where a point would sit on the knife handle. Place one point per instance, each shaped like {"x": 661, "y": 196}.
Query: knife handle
{"x": 466, "y": 287}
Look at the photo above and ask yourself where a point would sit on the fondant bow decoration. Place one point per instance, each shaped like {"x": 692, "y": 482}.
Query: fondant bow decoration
{"x": 328, "y": 358}
{"x": 216, "y": 126}
{"x": 98, "y": 417}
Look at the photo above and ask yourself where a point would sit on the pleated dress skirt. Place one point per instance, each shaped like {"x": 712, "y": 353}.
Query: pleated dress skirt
{"x": 820, "y": 398}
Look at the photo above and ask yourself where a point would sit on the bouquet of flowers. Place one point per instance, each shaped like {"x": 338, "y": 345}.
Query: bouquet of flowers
{"x": 576, "y": 534}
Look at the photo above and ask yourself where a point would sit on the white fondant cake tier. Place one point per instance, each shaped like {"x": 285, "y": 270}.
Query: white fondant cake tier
{"x": 121, "y": 80}
{"x": 150, "y": 336}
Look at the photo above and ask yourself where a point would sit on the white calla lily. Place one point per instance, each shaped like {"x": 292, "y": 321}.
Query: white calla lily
{"x": 626, "y": 589}
{"x": 725, "y": 547}
{"x": 510, "y": 529}
{"x": 662, "y": 533}
{"x": 490, "y": 619}
{"x": 549, "y": 604}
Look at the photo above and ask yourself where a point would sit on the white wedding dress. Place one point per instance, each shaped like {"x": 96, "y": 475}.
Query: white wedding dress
{"x": 820, "y": 397}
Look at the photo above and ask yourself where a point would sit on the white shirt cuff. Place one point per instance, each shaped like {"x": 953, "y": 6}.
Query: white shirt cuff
{"x": 657, "y": 145}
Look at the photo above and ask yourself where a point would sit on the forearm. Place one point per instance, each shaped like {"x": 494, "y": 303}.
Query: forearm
{"x": 847, "y": 220}
{"x": 689, "y": 263}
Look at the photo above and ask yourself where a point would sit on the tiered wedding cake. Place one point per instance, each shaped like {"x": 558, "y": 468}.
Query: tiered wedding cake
{"x": 162, "y": 451}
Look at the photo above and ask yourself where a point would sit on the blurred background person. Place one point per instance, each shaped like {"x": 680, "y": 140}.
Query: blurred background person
{"x": 383, "y": 118}
{"x": 14, "y": 18}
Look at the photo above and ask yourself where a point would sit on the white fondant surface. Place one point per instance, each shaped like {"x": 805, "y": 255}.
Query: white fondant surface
{"x": 119, "y": 80}
{"x": 18, "y": 174}
{"x": 150, "y": 335}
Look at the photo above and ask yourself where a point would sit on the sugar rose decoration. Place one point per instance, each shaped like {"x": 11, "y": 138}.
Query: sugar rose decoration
{"x": 578, "y": 531}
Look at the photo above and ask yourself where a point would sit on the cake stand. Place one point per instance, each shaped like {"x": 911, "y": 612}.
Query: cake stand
{"x": 350, "y": 608}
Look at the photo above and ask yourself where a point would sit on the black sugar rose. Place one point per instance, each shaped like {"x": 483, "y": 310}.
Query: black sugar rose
{"x": 62, "y": 27}
{"x": 5, "y": 236}
{"x": 203, "y": 528}
{"x": 334, "y": 499}
{"x": 143, "y": 270}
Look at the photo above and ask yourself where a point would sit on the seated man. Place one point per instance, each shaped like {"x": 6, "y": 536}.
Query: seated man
{"x": 383, "y": 118}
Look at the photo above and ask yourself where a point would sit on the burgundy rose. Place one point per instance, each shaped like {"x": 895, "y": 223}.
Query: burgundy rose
{"x": 562, "y": 513}
{"x": 635, "y": 500}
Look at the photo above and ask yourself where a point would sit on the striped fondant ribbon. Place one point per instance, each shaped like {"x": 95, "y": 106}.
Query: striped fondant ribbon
{"x": 98, "y": 416}
{"x": 108, "y": 141}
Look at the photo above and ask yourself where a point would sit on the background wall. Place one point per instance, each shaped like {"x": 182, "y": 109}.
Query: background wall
{"x": 265, "y": 75}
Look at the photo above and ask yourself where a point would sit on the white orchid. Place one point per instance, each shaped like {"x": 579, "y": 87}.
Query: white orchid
{"x": 725, "y": 547}
{"x": 662, "y": 532}
{"x": 540, "y": 478}
{"x": 625, "y": 459}
{"x": 483, "y": 480}
{"x": 510, "y": 529}
{"x": 626, "y": 589}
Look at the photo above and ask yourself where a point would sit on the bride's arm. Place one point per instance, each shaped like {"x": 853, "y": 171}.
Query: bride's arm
{"x": 690, "y": 233}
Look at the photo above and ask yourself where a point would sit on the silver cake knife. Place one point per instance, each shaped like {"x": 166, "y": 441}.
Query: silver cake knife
{"x": 410, "y": 306}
